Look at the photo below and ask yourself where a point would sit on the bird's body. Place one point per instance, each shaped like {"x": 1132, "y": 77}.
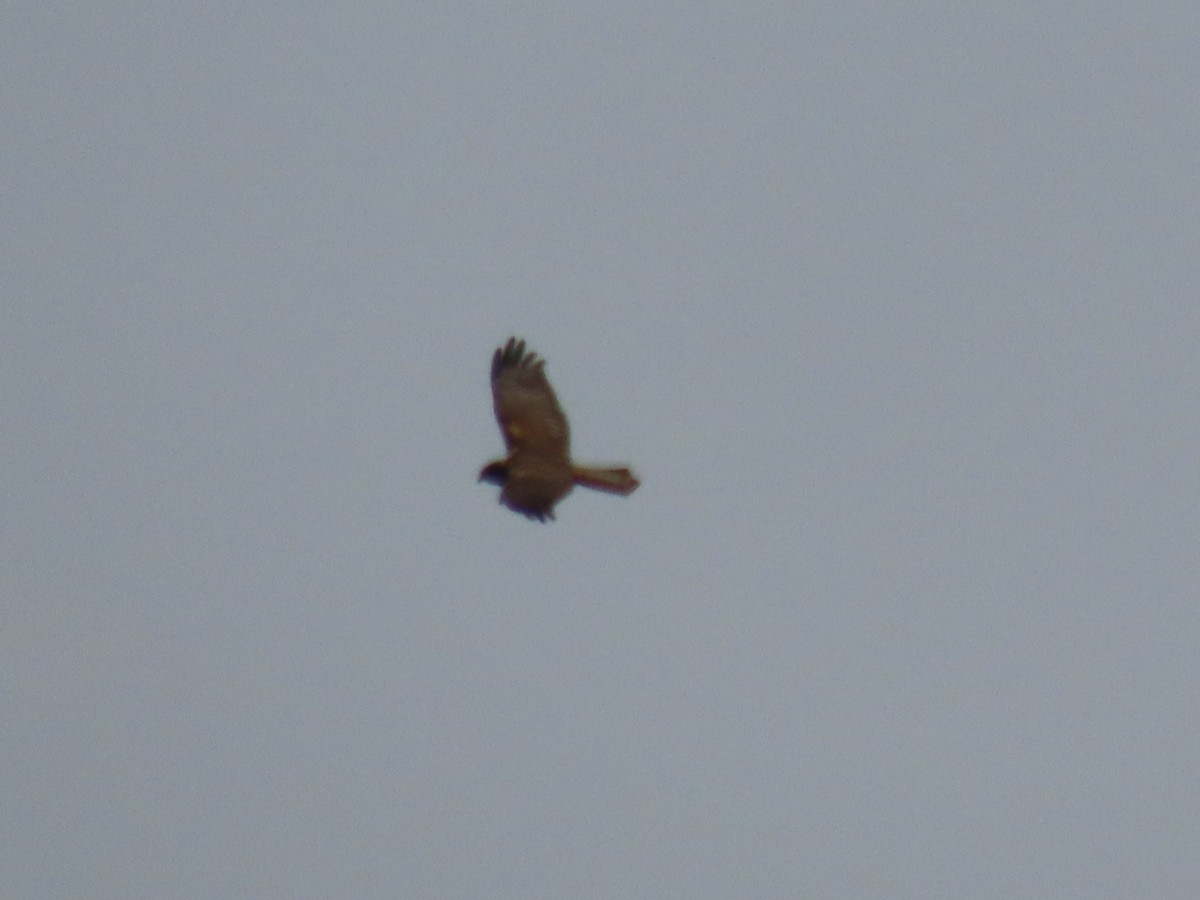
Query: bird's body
{"x": 538, "y": 472}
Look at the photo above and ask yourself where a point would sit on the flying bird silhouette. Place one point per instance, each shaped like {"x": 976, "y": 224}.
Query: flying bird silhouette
{"x": 538, "y": 471}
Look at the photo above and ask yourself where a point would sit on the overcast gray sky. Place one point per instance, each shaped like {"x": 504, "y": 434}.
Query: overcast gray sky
{"x": 893, "y": 307}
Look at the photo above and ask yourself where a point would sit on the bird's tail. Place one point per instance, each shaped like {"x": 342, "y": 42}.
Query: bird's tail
{"x": 614, "y": 480}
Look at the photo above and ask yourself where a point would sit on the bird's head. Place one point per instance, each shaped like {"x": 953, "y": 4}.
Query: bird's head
{"x": 494, "y": 473}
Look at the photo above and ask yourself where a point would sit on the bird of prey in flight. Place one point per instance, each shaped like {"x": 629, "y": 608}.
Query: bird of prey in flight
{"x": 538, "y": 471}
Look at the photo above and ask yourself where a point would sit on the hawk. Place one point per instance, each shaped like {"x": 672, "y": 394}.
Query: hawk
{"x": 538, "y": 471}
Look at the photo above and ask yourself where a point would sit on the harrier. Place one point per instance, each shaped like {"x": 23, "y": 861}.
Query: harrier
{"x": 538, "y": 471}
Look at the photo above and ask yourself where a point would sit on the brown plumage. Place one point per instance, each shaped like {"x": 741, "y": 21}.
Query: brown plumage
{"x": 538, "y": 471}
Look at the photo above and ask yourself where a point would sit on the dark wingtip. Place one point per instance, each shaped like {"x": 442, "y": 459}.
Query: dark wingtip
{"x": 513, "y": 354}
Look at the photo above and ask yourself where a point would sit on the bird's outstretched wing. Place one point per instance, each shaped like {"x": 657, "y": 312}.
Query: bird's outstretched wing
{"x": 532, "y": 422}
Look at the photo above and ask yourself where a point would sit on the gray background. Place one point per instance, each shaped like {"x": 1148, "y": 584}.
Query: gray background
{"x": 892, "y": 306}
